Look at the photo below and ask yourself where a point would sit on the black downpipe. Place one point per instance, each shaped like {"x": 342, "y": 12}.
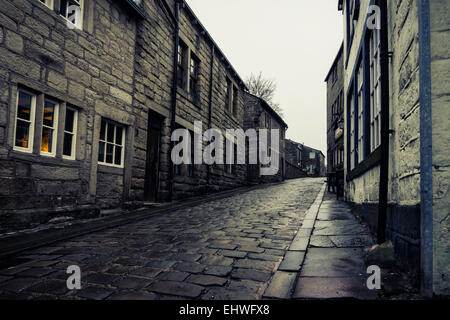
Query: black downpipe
{"x": 384, "y": 164}
{"x": 174, "y": 94}
{"x": 213, "y": 50}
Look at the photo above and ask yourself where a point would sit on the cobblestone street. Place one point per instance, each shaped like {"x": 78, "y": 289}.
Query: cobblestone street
{"x": 221, "y": 249}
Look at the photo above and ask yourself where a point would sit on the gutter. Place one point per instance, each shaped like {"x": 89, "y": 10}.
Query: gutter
{"x": 210, "y": 107}
{"x": 174, "y": 94}
{"x": 385, "y": 131}
{"x": 426, "y": 151}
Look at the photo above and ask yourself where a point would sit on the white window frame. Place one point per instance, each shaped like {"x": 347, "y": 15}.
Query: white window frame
{"x": 360, "y": 82}
{"x": 105, "y": 141}
{"x": 352, "y": 131}
{"x": 31, "y": 122}
{"x": 375, "y": 90}
{"x": 78, "y": 24}
{"x": 54, "y": 128}
{"x": 74, "y": 134}
{"x": 48, "y": 3}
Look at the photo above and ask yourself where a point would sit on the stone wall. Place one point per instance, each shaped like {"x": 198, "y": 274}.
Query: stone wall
{"x": 403, "y": 223}
{"x": 255, "y": 112}
{"x": 440, "y": 99}
{"x": 335, "y": 87}
{"x": 154, "y": 75}
{"x": 92, "y": 70}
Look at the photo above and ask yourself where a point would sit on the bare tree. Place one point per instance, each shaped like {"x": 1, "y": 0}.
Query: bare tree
{"x": 265, "y": 89}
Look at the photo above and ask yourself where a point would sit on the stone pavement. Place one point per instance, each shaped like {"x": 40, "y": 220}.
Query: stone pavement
{"x": 220, "y": 249}
{"x": 325, "y": 260}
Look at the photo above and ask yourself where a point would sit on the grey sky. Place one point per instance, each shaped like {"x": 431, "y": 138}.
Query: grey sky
{"x": 293, "y": 42}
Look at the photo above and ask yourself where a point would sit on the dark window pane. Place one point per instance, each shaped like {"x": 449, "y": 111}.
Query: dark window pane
{"x": 103, "y": 130}
{"x": 119, "y": 135}
{"x": 109, "y": 153}
{"x": 110, "y": 133}
{"x": 70, "y": 118}
{"x": 67, "y": 148}
{"x": 118, "y": 156}
{"x": 47, "y": 139}
{"x": 49, "y": 114}
{"x": 101, "y": 152}
{"x": 24, "y": 107}
{"x": 22, "y": 132}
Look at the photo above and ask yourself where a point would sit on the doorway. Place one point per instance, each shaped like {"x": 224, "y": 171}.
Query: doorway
{"x": 151, "y": 185}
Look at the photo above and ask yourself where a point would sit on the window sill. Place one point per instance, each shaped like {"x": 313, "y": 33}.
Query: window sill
{"x": 110, "y": 169}
{"x": 186, "y": 95}
{"x": 371, "y": 161}
{"x": 43, "y": 159}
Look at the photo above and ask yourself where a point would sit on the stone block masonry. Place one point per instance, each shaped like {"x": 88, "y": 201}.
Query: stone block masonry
{"x": 86, "y": 113}
{"x": 88, "y": 70}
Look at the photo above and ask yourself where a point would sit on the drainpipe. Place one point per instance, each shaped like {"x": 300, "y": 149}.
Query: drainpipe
{"x": 426, "y": 151}
{"x": 213, "y": 50}
{"x": 174, "y": 94}
{"x": 384, "y": 164}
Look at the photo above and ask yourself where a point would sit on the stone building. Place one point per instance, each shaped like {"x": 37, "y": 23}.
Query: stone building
{"x": 396, "y": 122}
{"x": 181, "y": 76}
{"x": 335, "y": 124}
{"x": 294, "y": 155}
{"x": 259, "y": 115}
{"x": 67, "y": 120}
{"x": 313, "y": 162}
{"x": 90, "y": 93}
{"x": 303, "y": 161}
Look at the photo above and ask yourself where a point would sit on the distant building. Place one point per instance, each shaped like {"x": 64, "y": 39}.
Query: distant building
{"x": 313, "y": 162}
{"x": 260, "y": 115}
{"x": 335, "y": 125}
{"x": 303, "y": 161}
{"x": 294, "y": 154}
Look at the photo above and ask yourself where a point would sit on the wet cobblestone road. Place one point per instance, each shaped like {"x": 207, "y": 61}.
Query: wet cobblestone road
{"x": 221, "y": 249}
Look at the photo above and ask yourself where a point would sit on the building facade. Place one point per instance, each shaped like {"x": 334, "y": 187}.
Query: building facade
{"x": 294, "y": 156}
{"x": 91, "y": 92}
{"x": 396, "y": 143}
{"x": 259, "y": 115}
{"x": 335, "y": 125}
{"x": 181, "y": 77}
{"x": 313, "y": 162}
{"x": 304, "y": 161}
{"x": 66, "y": 108}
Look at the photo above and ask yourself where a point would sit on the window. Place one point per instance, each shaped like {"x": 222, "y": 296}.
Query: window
{"x": 72, "y": 11}
{"x": 70, "y": 133}
{"x": 111, "y": 144}
{"x": 23, "y": 134}
{"x": 375, "y": 89}
{"x": 235, "y": 101}
{"x": 312, "y": 155}
{"x": 193, "y": 77}
{"x": 182, "y": 69}
{"x": 352, "y": 131}
{"x": 48, "y": 3}
{"x": 49, "y": 128}
{"x": 228, "y": 95}
{"x": 234, "y": 167}
{"x": 360, "y": 114}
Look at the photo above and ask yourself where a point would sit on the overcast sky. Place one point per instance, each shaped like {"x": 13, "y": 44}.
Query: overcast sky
{"x": 293, "y": 42}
